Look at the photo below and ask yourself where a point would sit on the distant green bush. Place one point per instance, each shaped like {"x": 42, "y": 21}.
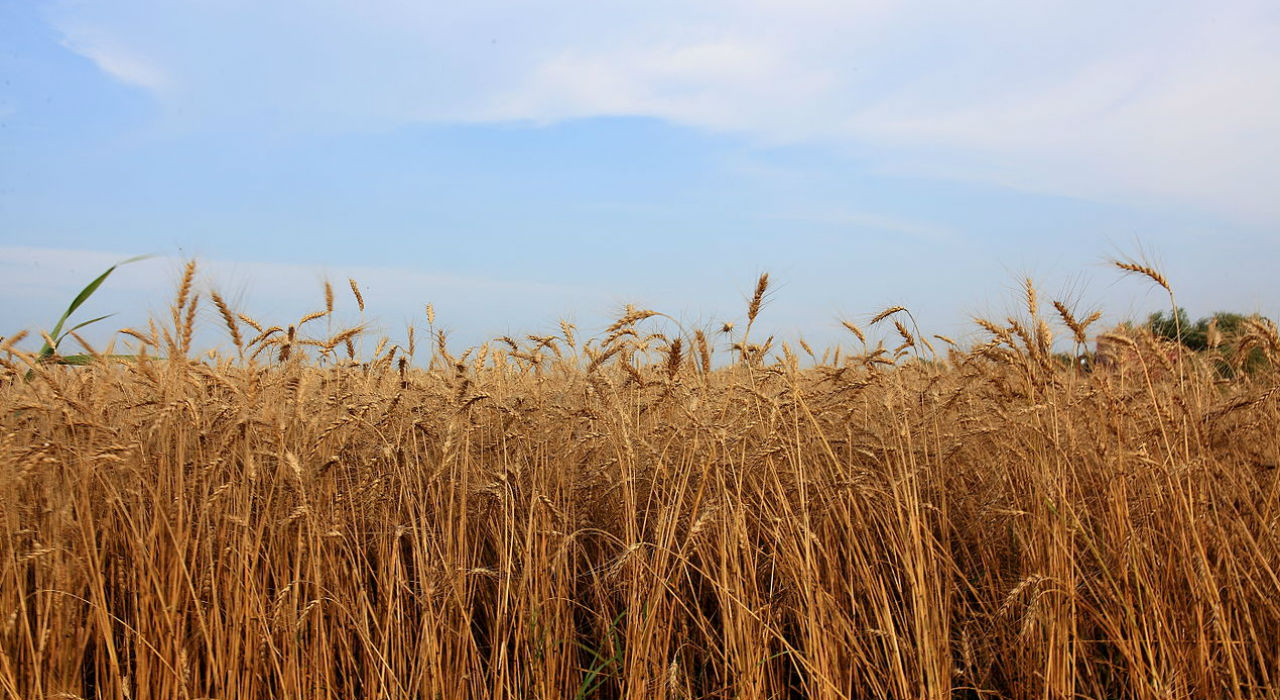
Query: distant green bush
{"x": 1217, "y": 335}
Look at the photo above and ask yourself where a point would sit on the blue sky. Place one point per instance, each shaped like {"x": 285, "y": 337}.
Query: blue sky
{"x": 514, "y": 163}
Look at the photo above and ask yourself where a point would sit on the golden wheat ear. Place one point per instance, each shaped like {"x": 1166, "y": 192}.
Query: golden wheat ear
{"x": 1146, "y": 271}
{"x": 757, "y": 298}
{"x": 355, "y": 292}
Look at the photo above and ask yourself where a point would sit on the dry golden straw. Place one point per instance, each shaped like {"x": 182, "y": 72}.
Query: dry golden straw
{"x": 641, "y": 515}
{"x": 355, "y": 291}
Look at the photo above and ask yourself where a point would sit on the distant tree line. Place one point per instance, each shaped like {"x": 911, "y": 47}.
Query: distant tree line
{"x": 1218, "y": 335}
{"x": 1232, "y": 342}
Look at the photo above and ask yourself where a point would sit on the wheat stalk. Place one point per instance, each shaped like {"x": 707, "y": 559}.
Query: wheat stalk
{"x": 229, "y": 319}
{"x": 1146, "y": 271}
{"x": 355, "y": 291}
{"x": 757, "y": 298}
{"x": 885, "y": 314}
{"x": 852, "y": 328}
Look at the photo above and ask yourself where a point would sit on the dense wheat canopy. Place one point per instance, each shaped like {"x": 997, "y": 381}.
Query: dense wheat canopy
{"x": 642, "y": 514}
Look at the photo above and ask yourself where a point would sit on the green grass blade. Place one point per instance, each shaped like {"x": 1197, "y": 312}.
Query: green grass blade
{"x": 78, "y": 326}
{"x": 46, "y": 350}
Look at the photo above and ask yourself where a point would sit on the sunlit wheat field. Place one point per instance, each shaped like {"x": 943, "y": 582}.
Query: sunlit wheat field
{"x": 657, "y": 511}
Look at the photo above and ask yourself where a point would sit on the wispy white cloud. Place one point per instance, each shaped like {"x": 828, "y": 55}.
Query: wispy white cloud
{"x": 124, "y": 62}
{"x": 1161, "y": 102}
{"x": 1186, "y": 116}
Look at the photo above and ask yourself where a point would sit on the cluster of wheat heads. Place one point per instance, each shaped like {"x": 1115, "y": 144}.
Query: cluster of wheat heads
{"x": 646, "y": 513}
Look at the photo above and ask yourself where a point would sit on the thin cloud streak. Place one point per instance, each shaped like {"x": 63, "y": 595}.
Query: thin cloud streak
{"x": 1055, "y": 97}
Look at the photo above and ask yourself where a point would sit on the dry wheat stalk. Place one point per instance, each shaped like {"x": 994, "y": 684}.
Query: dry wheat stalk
{"x": 184, "y": 290}
{"x": 630, "y": 317}
{"x": 355, "y": 291}
{"x": 229, "y": 319}
{"x": 1023, "y": 334}
{"x": 312, "y": 316}
{"x": 704, "y": 350}
{"x": 886, "y": 314}
{"x": 188, "y": 324}
{"x": 567, "y": 328}
{"x": 1030, "y": 296}
{"x": 13, "y": 340}
{"x": 907, "y": 338}
{"x": 675, "y": 357}
{"x": 1000, "y": 332}
{"x": 757, "y": 298}
{"x": 849, "y": 325}
{"x": 343, "y": 337}
{"x": 250, "y": 322}
{"x": 145, "y": 339}
{"x": 1077, "y": 328}
{"x": 1044, "y": 337}
{"x": 785, "y": 532}
{"x": 1146, "y": 271}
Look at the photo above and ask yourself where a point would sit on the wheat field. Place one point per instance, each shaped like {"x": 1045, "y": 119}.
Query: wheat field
{"x": 649, "y": 513}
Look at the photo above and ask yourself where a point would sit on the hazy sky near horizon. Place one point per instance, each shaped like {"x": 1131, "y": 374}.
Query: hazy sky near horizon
{"x": 513, "y": 163}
